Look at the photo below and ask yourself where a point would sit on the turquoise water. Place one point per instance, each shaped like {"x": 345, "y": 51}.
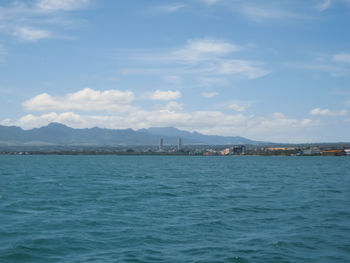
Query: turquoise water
{"x": 174, "y": 209}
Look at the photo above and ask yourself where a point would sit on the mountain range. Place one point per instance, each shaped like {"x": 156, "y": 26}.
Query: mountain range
{"x": 59, "y": 134}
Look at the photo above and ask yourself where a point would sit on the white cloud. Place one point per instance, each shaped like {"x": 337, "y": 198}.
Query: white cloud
{"x": 323, "y": 5}
{"x": 166, "y": 95}
{"x": 259, "y": 12}
{"x": 170, "y": 8}
{"x": 6, "y": 122}
{"x": 31, "y": 34}
{"x": 210, "y": 2}
{"x": 122, "y": 114}
{"x": 209, "y": 94}
{"x": 173, "y": 106}
{"x": 342, "y": 57}
{"x": 250, "y": 69}
{"x": 275, "y": 127}
{"x": 33, "y": 20}
{"x": 68, "y": 118}
{"x": 213, "y": 56}
{"x": 327, "y": 112}
{"x": 237, "y": 108}
{"x": 85, "y": 100}
{"x": 201, "y": 49}
{"x": 205, "y": 59}
{"x": 61, "y": 5}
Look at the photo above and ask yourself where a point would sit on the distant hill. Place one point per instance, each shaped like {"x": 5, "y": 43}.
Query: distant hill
{"x": 59, "y": 134}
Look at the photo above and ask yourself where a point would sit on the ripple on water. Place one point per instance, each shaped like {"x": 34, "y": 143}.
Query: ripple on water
{"x": 174, "y": 209}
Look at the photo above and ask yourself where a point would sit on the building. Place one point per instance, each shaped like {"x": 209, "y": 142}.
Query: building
{"x": 179, "y": 145}
{"x": 238, "y": 150}
{"x": 161, "y": 144}
{"x": 281, "y": 149}
{"x": 210, "y": 152}
{"x": 227, "y": 151}
{"x": 312, "y": 151}
{"x": 334, "y": 152}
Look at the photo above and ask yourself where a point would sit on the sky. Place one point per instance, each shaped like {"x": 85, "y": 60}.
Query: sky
{"x": 267, "y": 70}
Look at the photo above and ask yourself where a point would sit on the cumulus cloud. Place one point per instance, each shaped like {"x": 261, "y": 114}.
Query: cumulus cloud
{"x": 122, "y": 114}
{"x": 166, "y": 95}
{"x": 236, "y": 107}
{"x": 31, "y": 34}
{"x": 84, "y": 109}
{"x": 68, "y": 118}
{"x": 85, "y": 100}
{"x": 270, "y": 127}
{"x": 61, "y": 109}
{"x": 342, "y": 57}
{"x": 250, "y": 69}
{"x": 173, "y": 106}
{"x": 61, "y": 5}
{"x": 209, "y": 94}
{"x": 327, "y": 112}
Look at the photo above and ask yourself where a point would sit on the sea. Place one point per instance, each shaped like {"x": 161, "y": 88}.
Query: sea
{"x": 174, "y": 209}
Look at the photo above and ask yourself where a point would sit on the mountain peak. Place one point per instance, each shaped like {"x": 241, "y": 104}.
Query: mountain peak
{"x": 56, "y": 125}
{"x": 60, "y": 134}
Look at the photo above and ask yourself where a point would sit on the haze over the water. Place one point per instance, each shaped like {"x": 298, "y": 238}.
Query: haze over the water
{"x": 266, "y": 70}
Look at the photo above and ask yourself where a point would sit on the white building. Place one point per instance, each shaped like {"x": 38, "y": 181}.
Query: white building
{"x": 179, "y": 144}
{"x": 161, "y": 144}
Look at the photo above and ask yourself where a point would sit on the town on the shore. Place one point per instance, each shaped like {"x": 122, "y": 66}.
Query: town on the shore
{"x": 323, "y": 149}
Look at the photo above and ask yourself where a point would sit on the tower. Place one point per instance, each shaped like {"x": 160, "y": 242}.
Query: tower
{"x": 161, "y": 144}
{"x": 179, "y": 144}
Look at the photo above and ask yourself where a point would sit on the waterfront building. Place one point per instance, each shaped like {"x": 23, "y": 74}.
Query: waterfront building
{"x": 227, "y": 151}
{"x": 179, "y": 145}
{"x": 161, "y": 144}
{"x": 312, "y": 151}
{"x": 334, "y": 152}
{"x": 239, "y": 150}
{"x": 281, "y": 149}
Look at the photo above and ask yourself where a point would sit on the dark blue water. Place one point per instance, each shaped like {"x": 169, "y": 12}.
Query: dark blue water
{"x": 174, "y": 209}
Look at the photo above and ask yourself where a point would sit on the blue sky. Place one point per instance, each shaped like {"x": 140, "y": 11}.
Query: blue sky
{"x": 266, "y": 70}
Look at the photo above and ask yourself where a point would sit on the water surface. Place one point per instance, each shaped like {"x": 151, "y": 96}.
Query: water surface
{"x": 174, "y": 209}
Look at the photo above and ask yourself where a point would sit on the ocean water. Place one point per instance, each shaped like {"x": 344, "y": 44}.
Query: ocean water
{"x": 174, "y": 209}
